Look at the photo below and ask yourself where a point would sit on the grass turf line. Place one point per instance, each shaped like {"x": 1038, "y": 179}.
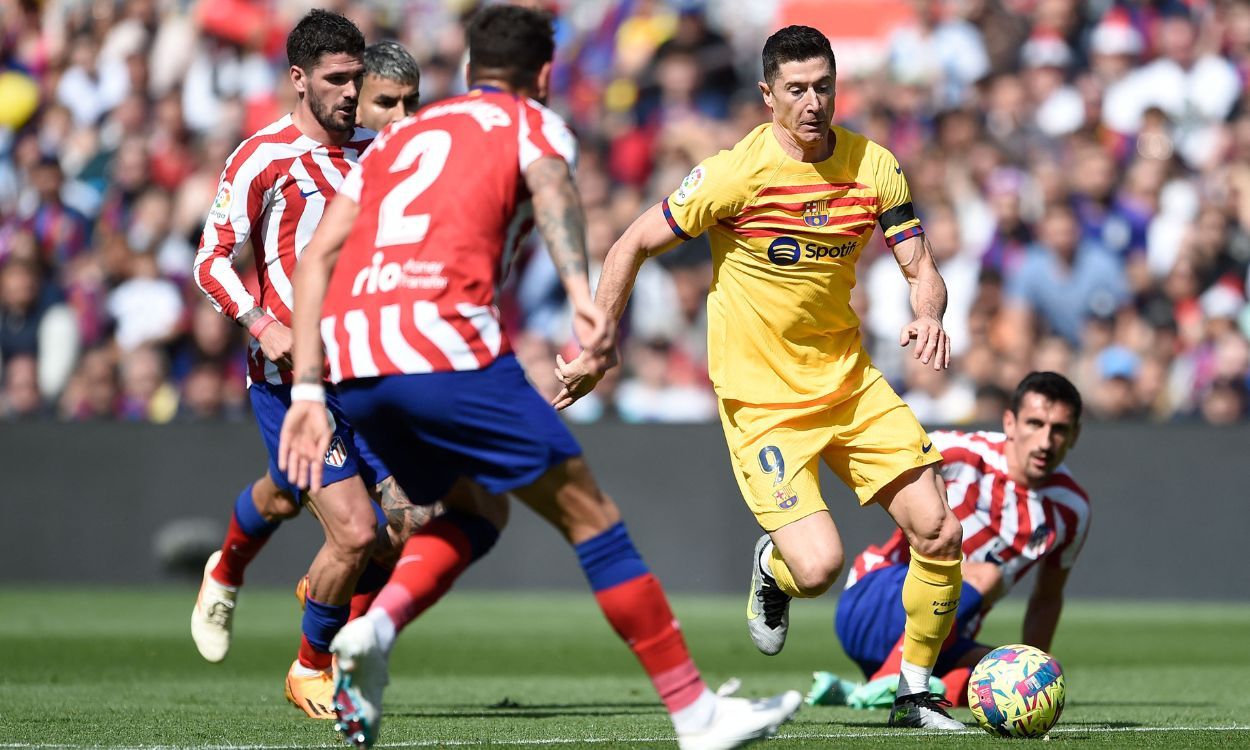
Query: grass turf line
{"x": 116, "y": 668}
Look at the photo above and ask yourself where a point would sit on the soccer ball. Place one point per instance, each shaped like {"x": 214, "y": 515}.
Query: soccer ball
{"x": 1016, "y": 691}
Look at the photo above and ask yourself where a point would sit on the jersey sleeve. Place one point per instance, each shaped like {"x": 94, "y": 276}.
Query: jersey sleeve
{"x": 544, "y": 133}
{"x": 715, "y": 189}
{"x": 896, "y": 214}
{"x": 240, "y": 200}
{"x": 352, "y": 184}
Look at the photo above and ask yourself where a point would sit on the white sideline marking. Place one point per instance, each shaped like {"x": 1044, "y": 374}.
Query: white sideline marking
{"x": 606, "y": 740}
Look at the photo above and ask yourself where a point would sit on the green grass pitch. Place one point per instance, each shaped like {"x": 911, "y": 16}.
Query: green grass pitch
{"x": 116, "y": 668}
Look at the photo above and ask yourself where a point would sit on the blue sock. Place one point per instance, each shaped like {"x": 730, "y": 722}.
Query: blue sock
{"x": 610, "y": 559}
{"x": 373, "y": 578}
{"x": 322, "y": 622}
{"x": 481, "y": 533}
{"x": 250, "y": 521}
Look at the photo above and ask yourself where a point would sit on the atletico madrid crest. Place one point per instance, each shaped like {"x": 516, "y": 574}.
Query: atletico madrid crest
{"x": 816, "y": 213}
{"x": 336, "y": 456}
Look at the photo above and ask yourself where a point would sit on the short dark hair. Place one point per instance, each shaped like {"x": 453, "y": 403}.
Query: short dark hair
{"x": 391, "y": 61}
{"x": 795, "y": 43}
{"x": 322, "y": 32}
{"x": 510, "y": 42}
{"x": 1052, "y": 386}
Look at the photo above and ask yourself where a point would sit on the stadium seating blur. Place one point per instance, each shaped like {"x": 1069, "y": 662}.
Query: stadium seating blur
{"x": 1082, "y": 170}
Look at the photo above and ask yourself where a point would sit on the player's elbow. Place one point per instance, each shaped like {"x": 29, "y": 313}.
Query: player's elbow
{"x": 816, "y": 574}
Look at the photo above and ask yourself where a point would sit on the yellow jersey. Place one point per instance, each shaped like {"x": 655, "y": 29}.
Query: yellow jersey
{"x": 785, "y": 236}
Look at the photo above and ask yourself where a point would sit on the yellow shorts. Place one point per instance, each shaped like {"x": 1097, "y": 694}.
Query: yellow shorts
{"x": 868, "y": 438}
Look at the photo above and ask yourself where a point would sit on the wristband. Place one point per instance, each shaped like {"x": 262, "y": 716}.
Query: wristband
{"x": 260, "y": 324}
{"x": 308, "y": 392}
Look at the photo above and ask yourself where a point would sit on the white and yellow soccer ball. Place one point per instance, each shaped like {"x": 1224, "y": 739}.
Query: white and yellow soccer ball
{"x": 1017, "y": 691}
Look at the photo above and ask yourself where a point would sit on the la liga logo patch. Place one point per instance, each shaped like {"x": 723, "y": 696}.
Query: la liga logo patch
{"x": 688, "y": 186}
{"x": 220, "y": 212}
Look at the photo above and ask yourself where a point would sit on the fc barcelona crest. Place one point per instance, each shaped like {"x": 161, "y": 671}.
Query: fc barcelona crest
{"x": 816, "y": 213}
{"x": 785, "y": 497}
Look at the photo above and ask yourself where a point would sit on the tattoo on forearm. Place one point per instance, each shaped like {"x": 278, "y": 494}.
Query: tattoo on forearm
{"x": 558, "y": 215}
{"x": 251, "y": 316}
{"x": 401, "y": 515}
{"x": 309, "y": 375}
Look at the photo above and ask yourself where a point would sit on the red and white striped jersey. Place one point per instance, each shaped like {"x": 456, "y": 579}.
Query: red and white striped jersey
{"x": 443, "y": 206}
{"x": 1004, "y": 522}
{"x": 274, "y": 189}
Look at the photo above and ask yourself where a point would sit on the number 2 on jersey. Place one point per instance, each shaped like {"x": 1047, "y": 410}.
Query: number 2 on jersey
{"x": 394, "y": 226}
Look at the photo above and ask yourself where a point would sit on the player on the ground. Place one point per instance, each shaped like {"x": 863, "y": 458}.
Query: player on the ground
{"x": 274, "y": 190}
{"x": 1018, "y": 504}
{"x": 413, "y": 336}
{"x": 788, "y": 211}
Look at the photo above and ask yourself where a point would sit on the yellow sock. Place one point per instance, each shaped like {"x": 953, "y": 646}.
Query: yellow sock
{"x": 930, "y": 598}
{"x": 783, "y": 576}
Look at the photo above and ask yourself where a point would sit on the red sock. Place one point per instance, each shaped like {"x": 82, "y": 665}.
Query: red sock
{"x": 956, "y": 682}
{"x": 237, "y": 551}
{"x": 640, "y": 615}
{"x": 362, "y": 602}
{"x": 893, "y": 663}
{"x": 312, "y": 658}
{"x": 432, "y": 560}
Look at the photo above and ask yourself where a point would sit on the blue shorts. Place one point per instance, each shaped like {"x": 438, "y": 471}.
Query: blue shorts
{"x": 488, "y": 425}
{"x": 348, "y": 456}
{"x": 870, "y": 620}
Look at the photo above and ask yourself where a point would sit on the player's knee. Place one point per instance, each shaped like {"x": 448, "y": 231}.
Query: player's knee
{"x": 942, "y": 541}
{"x": 273, "y": 502}
{"x": 816, "y": 574}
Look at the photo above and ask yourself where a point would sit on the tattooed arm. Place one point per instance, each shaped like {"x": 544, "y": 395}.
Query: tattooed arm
{"x": 402, "y": 517}
{"x": 558, "y": 216}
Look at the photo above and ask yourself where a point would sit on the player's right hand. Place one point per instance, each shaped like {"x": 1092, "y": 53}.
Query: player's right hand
{"x": 580, "y": 376}
{"x": 275, "y": 342}
{"x": 302, "y": 446}
{"x": 594, "y": 330}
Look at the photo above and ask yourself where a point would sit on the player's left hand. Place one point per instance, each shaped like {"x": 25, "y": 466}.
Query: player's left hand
{"x": 580, "y": 376}
{"x": 302, "y": 446}
{"x": 933, "y": 346}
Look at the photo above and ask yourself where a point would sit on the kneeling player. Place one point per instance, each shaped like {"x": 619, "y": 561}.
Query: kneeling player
{"x": 1018, "y": 506}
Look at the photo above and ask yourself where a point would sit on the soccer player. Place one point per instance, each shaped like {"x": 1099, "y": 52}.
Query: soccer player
{"x": 274, "y": 189}
{"x": 788, "y": 212}
{"x": 389, "y": 91}
{"x": 426, "y": 231}
{"x": 1019, "y": 506}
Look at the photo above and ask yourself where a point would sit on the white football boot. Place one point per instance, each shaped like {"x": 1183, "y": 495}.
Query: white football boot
{"x": 213, "y": 615}
{"x": 738, "y": 722}
{"x": 923, "y": 711}
{"x": 359, "y": 680}
{"x": 768, "y": 607}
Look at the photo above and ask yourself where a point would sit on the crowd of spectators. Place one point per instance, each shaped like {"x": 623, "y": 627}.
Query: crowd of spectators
{"x": 1082, "y": 170}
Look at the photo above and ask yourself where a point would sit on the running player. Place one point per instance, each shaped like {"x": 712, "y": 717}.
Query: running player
{"x": 788, "y": 212}
{"x": 409, "y": 323}
{"x": 388, "y": 93}
{"x": 274, "y": 190}
{"x": 1018, "y": 504}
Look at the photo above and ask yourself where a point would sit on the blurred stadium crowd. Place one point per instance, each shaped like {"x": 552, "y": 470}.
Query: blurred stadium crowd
{"x": 1082, "y": 170}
